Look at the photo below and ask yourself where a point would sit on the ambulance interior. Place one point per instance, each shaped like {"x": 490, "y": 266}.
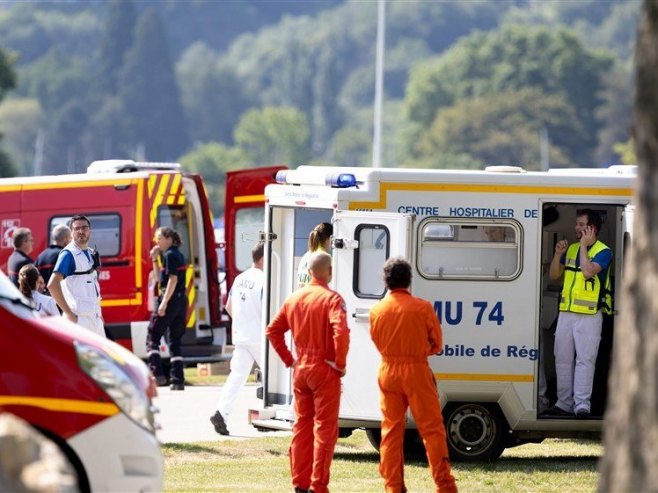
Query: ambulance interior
{"x": 291, "y": 237}
{"x": 558, "y": 220}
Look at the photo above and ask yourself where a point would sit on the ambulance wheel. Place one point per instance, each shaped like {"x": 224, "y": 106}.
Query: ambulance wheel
{"x": 413, "y": 444}
{"x": 475, "y": 432}
{"x": 374, "y": 437}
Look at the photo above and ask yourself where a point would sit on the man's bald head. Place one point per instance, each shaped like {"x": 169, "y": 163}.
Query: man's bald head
{"x": 319, "y": 265}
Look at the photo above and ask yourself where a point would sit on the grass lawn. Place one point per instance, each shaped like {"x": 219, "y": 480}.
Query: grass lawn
{"x": 192, "y": 378}
{"x": 262, "y": 465}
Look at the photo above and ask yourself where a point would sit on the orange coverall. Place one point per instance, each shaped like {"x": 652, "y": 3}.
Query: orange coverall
{"x": 406, "y": 331}
{"x": 316, "y": 316}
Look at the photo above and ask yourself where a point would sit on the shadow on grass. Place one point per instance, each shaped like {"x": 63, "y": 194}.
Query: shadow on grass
{"x": 562, "y": 463}
{"x": 357, "y": 457}
{"x": 187, "y": 447}
{"x": 558, "y": 464}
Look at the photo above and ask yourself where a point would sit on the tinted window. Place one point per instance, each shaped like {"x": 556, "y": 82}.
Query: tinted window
{"x": 469, "y": 250}
{"x": 105, "y": 232}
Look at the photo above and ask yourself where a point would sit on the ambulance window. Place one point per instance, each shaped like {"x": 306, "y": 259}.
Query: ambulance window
{"x": 371, "y": 254}
{"x": 249, "y": 222}
{"x": 469, "y": 250}
{"x": 175, "y": 217}
{"x": 105, "y": 232}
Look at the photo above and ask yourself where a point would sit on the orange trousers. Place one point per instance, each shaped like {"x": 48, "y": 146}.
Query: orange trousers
{"x": 403, "y": 385}
{"x": 315, "y": 432}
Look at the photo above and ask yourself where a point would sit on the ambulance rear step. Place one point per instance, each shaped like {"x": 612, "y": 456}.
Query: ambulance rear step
{"x": 272, "y": 419}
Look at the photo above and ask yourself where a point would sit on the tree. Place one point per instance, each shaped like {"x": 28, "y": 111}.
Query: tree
{"x": 213, "y": 160}
{"x": 20, "y": 121}
{"x": 505, "y": 129}
{"x": 212, "y": 95}
{"x": 7, "y": 82}
{"x": 510, "y": 59}
{"x": 629, "y": 462}
{"x": 116, "y": 39}
{"x": 149, "y": 94}
{"x": 274, "y": 135}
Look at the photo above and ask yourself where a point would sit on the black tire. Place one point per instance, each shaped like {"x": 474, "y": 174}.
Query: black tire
{"x": 413, "y": 444}
{"x": 475, "y": 432}
{"x": 374, "y": 437}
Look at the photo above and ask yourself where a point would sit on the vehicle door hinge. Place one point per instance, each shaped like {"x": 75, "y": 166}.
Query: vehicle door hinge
{"x": 269, "y": 237}
{"x": 345, "y": 244}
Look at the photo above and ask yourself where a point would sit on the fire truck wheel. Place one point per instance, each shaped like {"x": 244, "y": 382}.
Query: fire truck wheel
{"x": 475, "y": 432}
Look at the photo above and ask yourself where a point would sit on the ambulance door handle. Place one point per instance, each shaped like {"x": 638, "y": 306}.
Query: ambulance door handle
{"x": 361, "y": 314}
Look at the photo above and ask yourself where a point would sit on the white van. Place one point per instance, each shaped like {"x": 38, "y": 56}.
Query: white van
{"x": 480, "y": 244}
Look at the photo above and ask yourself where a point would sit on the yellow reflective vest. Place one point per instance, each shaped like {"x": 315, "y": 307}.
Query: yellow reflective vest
{"x": 580, "y": 295}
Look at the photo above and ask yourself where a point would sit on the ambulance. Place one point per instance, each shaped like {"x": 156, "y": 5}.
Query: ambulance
{"x": 480, "y": 244}
{"x": 126, "y": 202}
{"x": 90, "y": 396}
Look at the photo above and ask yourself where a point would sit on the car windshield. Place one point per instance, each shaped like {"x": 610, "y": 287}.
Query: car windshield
{"x": 12, "y": 299}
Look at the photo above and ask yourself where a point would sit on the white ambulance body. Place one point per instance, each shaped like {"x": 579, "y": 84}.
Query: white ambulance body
{"x": 480, "y": 244}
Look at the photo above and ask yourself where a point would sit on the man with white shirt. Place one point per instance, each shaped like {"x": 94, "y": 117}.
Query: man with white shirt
{"x": 244, "y": 306}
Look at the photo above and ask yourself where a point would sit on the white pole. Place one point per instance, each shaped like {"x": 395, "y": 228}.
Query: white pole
{"x": 544, "y": 148}
{"x": 379, "y": 85}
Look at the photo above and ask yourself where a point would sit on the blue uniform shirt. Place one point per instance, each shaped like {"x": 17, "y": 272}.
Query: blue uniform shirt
{"x": 65, "y": 264}
{"x": 174, "y": 264}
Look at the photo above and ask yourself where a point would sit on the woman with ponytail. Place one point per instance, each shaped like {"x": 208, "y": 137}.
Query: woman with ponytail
{"x": 318, "y": 240}
{"x": 28, "y": 278}
{"x": 171, "y": 307}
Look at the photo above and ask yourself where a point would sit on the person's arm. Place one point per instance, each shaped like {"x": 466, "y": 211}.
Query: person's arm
{"x": 276, "y": 334}
{"x": 588, "y": 268}
{"x": 155, "y": 269}
{"x": 169, "y": 292}
{"x": 229, "y": 305}
{"x": 55, "y": 288}
{"x": 338, "y": 323}
{"x": 556, "y": 269}
{"x": 434, "y": 334}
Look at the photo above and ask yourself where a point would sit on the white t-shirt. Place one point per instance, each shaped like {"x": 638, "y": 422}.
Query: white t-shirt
{"x": 246, "y": 305}
{"x": 45, "y": 305}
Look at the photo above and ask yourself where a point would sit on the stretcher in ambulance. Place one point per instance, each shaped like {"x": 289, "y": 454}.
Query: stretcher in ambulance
{"x": 90, "y": 396}
{"x": 480, "y": 244}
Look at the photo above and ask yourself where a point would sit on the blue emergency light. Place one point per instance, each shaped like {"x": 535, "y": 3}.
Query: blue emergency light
{"x": 341, "y": 180}
{"x": 280, "y": 176}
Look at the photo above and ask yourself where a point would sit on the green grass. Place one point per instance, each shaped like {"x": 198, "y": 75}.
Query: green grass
{"x": 262, "y": 465}
{"x": 192, "y": 378}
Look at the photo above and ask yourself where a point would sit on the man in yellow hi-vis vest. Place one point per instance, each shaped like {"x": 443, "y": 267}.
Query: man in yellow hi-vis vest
{"x": 585, "y": 296}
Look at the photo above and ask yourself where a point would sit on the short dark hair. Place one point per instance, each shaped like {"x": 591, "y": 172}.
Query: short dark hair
{"x": 170, "y": 234}
{"x": 20, "y": 236}
{"x": 78, "y": 217}
{"x": 593, "y": 218}
{"x": 397, "y": 273}
{"x": 258, "y": 251}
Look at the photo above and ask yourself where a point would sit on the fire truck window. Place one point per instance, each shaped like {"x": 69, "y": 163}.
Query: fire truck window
{"x": 105, "y": 232}
{"x": 469, "y": 250}
{"x": 249, "y": 222}
{"x": 371, "y": 254}
{"x": 175, "y": 217}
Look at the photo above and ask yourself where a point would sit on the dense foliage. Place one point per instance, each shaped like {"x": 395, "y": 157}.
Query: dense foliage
{"x": 466, "y": 83}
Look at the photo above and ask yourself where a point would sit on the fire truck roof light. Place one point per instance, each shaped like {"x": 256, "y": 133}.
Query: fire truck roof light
{"x": 127, "y": 165}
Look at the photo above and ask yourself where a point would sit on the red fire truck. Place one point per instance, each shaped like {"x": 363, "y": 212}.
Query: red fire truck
{"x": 126, "y": 201}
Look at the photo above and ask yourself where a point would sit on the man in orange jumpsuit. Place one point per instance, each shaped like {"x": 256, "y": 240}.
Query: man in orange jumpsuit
{"x": 316, "y": 316}
{"x": 406, "y": 331}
